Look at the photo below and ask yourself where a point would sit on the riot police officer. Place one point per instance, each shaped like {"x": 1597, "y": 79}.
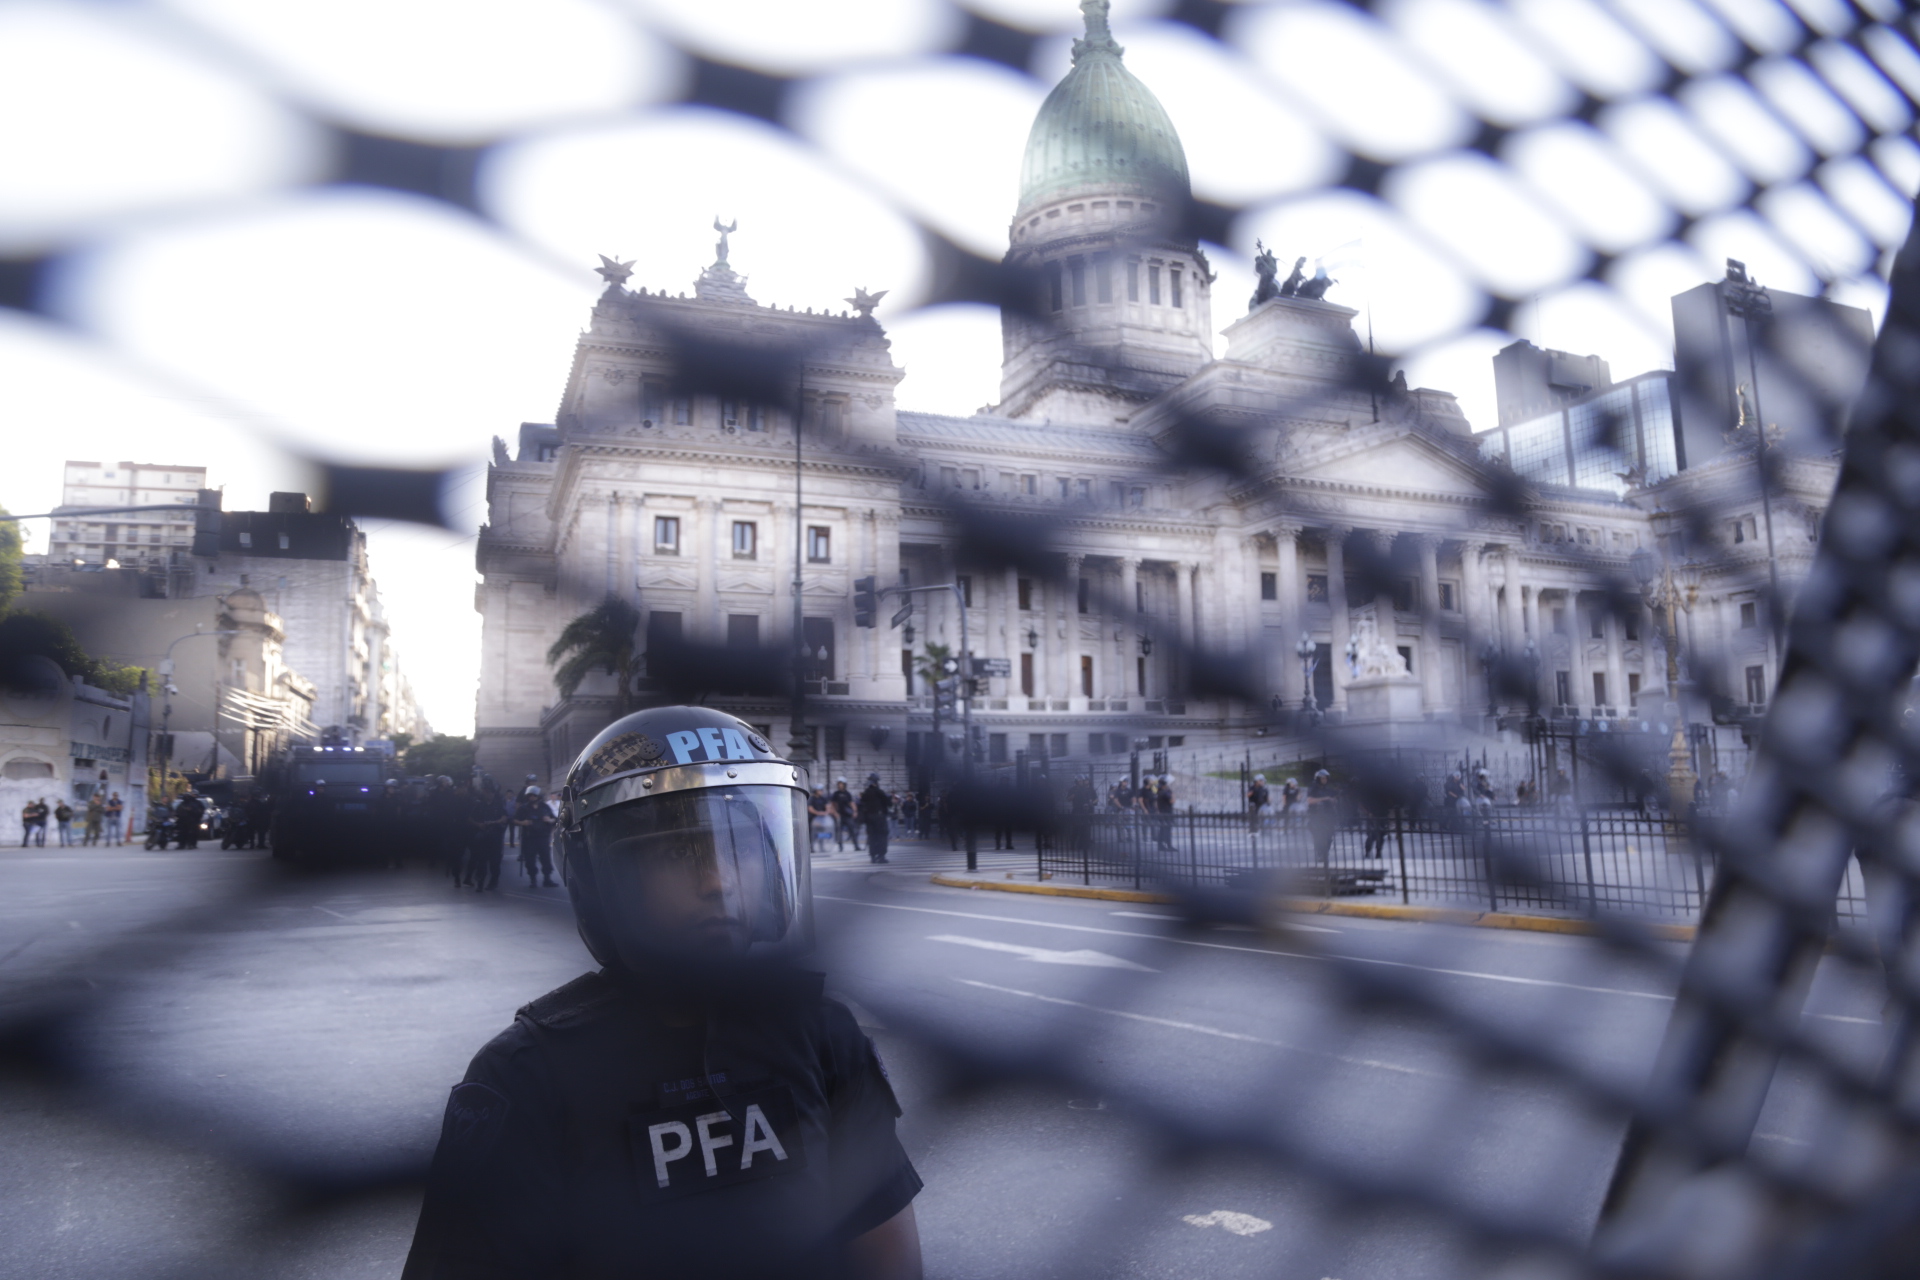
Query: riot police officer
{"x": 696, "y": 1108}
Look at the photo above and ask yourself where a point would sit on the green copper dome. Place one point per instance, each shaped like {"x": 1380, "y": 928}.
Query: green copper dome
{"x": 1101, "y": 130}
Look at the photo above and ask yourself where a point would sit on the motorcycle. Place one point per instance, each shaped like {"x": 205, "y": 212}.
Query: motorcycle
{"x": 159, "y": 828}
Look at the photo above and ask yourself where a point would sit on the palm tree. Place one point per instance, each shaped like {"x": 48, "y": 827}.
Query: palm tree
{"x": 932, "y": 664}
{"x": 601, "y": 639}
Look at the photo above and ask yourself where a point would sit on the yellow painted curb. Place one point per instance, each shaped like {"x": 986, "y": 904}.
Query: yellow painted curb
{"x": 1322, "y": 907}
{"x": 1054, "y": 890}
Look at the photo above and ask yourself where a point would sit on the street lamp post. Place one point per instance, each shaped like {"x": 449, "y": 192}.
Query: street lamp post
{"x": 1309, "y": 654}
{"x": 1663, "y": 596}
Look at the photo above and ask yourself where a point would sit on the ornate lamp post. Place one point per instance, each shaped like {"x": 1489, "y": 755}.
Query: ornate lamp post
{"x": 1309, "y": 654}
{"x": 1663, "y": 596}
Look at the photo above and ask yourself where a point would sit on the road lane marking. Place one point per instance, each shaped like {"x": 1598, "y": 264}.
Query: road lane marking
{"x": 1202, "y": 1029}
{"x": 1146, "y": 915}
{"x": 1040, "y": 955}
{"x": 1241, "y": 1224}
{"x": 1269, "y": 951}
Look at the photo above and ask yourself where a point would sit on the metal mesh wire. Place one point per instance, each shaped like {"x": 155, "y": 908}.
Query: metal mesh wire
{"x": 1498, "y": 1162}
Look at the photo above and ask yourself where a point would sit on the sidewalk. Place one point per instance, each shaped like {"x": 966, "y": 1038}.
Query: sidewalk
{"x": 1008, "y": 880}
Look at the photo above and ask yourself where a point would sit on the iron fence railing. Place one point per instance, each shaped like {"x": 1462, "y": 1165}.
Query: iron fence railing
{"x": 1590, "y": 862}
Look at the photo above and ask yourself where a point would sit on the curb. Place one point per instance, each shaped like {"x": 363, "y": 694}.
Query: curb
{"x": 1322, "y": 907}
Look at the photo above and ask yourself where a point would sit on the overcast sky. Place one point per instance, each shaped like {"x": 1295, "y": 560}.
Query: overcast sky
{"x": 224, "y": 315}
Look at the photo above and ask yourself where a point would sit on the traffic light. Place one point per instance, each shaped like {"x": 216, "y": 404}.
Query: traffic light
{"x": 866, "y": 604}
{"x": 206, "y": 523}
{"x": 944, "y": 694}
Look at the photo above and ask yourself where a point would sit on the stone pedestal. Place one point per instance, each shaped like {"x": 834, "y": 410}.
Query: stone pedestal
{"x": 1386, "y": 711}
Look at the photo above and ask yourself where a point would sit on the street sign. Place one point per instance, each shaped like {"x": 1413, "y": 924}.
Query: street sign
{"x": 906, "y": 611}
{"x": 1002, "y": 667}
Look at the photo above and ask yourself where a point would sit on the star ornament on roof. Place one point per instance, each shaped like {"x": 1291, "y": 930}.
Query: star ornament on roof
{"x": 614, "y": 272}
{"x": 865, "y": 302}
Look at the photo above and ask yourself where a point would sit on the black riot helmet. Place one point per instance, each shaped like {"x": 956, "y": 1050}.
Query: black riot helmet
{"x": 683, "y": 837}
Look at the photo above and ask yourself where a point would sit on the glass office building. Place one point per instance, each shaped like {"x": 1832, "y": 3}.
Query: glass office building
{"x": 1589, "y": 443}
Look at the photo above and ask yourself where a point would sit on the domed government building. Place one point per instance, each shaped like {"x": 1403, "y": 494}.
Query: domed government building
{"x": 1360, "y": 522}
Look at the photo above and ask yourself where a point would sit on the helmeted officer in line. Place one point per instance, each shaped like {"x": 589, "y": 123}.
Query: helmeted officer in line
{"x": 696, "y": 1108}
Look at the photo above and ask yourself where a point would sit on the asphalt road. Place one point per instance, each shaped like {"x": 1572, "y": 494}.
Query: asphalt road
{"x": 214, "y": 1026}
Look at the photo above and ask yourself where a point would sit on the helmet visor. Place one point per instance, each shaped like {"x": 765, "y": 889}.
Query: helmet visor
{"x": 714, "y": 872}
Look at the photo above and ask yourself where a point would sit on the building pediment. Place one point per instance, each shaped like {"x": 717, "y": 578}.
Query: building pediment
{"x": 1402, "y": 463}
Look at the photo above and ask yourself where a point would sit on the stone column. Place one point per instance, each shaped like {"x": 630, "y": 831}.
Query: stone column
{"x": 1070, "y": 628}
{"x": 1337, "y": 608}
{"x": 1530, "y": 602}
{"x": 1473, "y": 601}
{"x": 1186, "y": 591}
{"x": 1510, "y": 603}
{"x": 1577, "y": 650}
{"x": 1287, "y": 588}
{"x": 1616, "y": 664}
{"x": 1431, "y": 687}
{"x": 1131, "y": 620}
{"x": 1011, "y": 645}
{"x": 706, "y": 596}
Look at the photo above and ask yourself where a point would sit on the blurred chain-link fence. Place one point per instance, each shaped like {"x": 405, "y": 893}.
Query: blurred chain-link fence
{"x": 1602, "y": 154}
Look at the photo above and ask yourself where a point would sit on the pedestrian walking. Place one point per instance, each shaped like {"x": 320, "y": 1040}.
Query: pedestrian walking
{"x": 116, "y": 810}
{"x": 96, "y": 817}
{"x": 187, "y": 816}
{"x": 876, "y": 811}
{"x": 33, "y": 823}
{"x": 535, "y": 823}
{"x": 487, "y": 820}
{"x": 1378, "y": 816}
{"x": 845, "y": 826}
{"x": 1289, "y": 802}
{"x": 1163, "y": 813}
{"x": 63, "y": 822}
{"x": 910, "y": 813}
{"x": 1257, "y": 800}
{"x": 819, "y": 820}
{"x": 695, "y": 1107}
{"x": 1323, "y": 814}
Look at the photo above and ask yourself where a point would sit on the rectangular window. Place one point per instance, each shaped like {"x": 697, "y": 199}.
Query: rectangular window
{"x": 1102, "y": 278}
{"x": 743, "y": 630}
{"x": 1118, "y": 492}
{"x": 1054, "y": 300}
{"x": 682, "y": 411}
{"x": 1096, "y": 744}
{"x": 1133, "y": 280}
{"x": 729, "y": 414}
{"x": 817, "y": 633}
{"x": 1084, "y": 490}
{"x": 1597, "y": 625}
{"x": 1446, "y": 597}
{"x": 246, "y": 539}
{"x": 949, "y": 477}
{"x": 1086, "y": 675}
{"x": 1036, "y": 746}
{"x": 1086, "y": 594}
{"x": 1749, "y": 614}
{"x": 1023, "y": 589}
{"x": 970, "y": 478}
{"x": 1077, "y": 276}
{"x": 819, "y": 544}
{"x": 1173, "y": 286}
{"x": 1757, "y": 686}
{"x": 1559, "y": 622}
{"x": 663, "y": 630}
{"x": 1600, "y": 689}
{"x": 1563, "y": 688}
{"x": 1633, "y": 688}
{"x": 996, "y": 748}
{"x": 666, "y": 535}
{"x": 746, "y": 540}
{"x": 757, "y": 421}
{"x": 1030, "y": 485}
{"x": 1066, "y": 488}
{"x": 966, "y": 589}
{"x": 1026, "y": 674}
{"x": 1137, "y": 496}
{"x": 1632, "y": 624}
{"x": 1153, "y": 286}
{"x": 285, "y": 542}
{"x": 1316, "y": 588}
{"x": 1269, "y": 586}
{"x": 1403, "y": 595}
{"x": 1406, "y": 656}
{"x": 1057, "y": 745}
